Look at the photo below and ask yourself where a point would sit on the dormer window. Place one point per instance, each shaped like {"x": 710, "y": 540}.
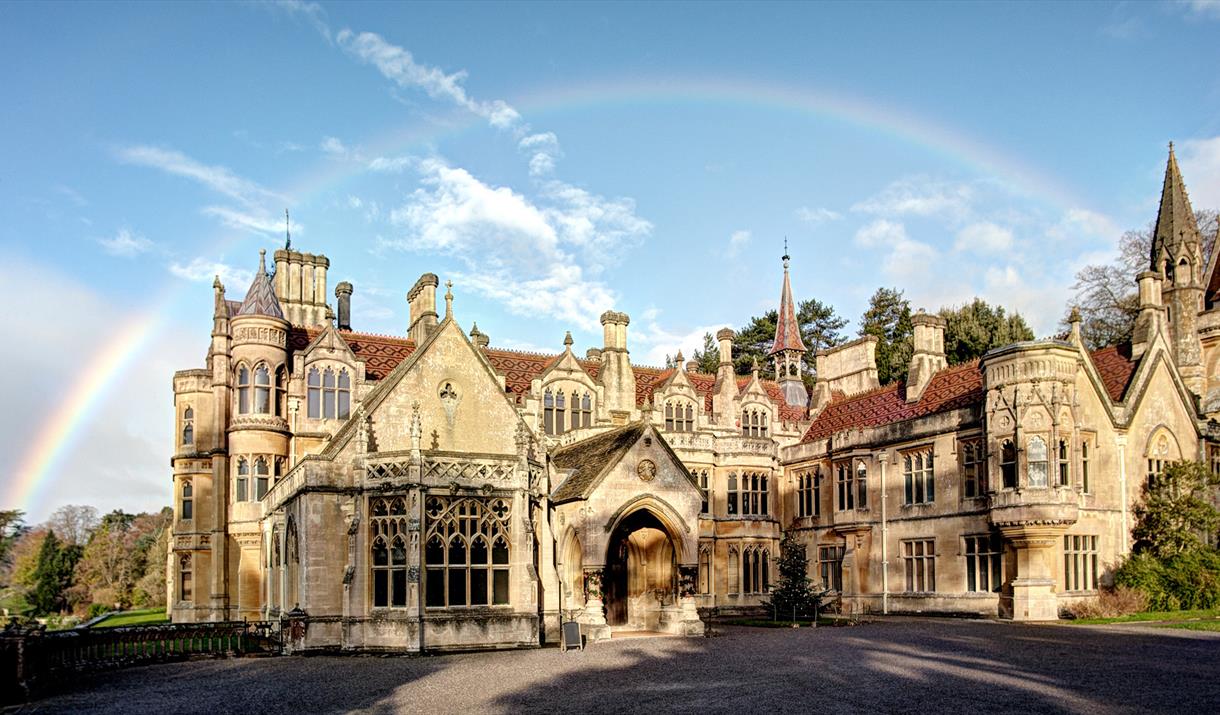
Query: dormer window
{"x": 548, "y": 412}
{"x": 586, "y": 411}
{"x": 314, "y": 393}
{"x": 679, "y": 416}
{"x": 754, "y": 422}
{"x": 188, "y": 427}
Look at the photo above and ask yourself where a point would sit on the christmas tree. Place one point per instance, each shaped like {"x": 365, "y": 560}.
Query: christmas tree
{"x": 793, "y": 596}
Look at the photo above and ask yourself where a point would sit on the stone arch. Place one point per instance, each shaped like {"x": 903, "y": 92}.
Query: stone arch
{"x": 571, "y": 571}
{"x": 675, "y": 526}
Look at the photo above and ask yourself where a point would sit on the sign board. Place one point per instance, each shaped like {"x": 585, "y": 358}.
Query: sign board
{"x": 571, "y": 636}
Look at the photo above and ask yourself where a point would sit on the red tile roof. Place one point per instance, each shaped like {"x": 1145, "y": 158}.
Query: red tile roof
{"x": 1115, "y": 366}
{"x": 382, "y": 353}
{"x": 787, "y": 329}
{"x": 952, "y": 388}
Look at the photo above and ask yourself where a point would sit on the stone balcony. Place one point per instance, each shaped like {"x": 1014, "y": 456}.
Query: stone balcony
{"x": 1035, "y": 506}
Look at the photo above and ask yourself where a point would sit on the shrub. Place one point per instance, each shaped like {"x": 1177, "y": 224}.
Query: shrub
{"x": 1110, "y": 603}
{"x": 96, "y": 609}
{"x": 1187, "y": 580}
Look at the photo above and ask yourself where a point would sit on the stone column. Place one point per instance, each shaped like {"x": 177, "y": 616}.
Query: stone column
{"x": 593, "y": 618}
{"x": 1033, "y": 590}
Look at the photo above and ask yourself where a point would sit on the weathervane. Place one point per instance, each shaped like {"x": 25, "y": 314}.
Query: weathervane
{"x": 785, "y": 252}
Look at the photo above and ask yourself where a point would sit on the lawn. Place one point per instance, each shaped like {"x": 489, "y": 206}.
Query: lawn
{"x": 1208, "y": 614}
{"x": 1193, "y": 625}
{"x": 141, "y": 617}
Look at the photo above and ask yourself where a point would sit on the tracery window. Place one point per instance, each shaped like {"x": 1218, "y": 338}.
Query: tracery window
{"x": 314, "y": 393}
{"x": 754, "y": 494}
{"x": 260, "y": 478}
{"x": 1063, "y": 463}
{"x": 974, "y": 469}
{"x": 582, "y": 416}
{"x": 1084, "y": 466}
{"x": 466, "y": 552}
{"x": 281, "y": 392}
{"x": 243, "y": 389}
{"x": 755, "y": 570}
{"x": 731, "y": 493}
{"x": 243, "y": 480}
{"x": 262, "y": 389}
{"x": 918, "y": 478}
{"x": 278, "y": 470}
{"x": 328, "y": 394}
{"x": 188, "y": 426}
{"x": 754, "y": 422}
{"x": 861, "y": 485}
{"x": 734, "y": 571}
{"x": 186, "y": 511}
{"x": 388, "y": 534}
{"x": 1036, "y": 462}
{"x": 845, "y": 493}
{"x": 705, "y": 570}
{"x": 679, "y": 416}
{"x": 1008, "y": 464}
{"x": 561, "y": 413}
{"x": 808, "y": 488}
{"x": 705, "y": 485}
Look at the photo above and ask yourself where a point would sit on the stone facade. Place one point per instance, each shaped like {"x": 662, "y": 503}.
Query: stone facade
{"x": 432, "y": 492}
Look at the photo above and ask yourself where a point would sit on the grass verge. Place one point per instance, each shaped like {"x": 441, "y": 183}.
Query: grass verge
{"x": 140, "y": 617}
{"x": 1197, "y": 615}
{"x": 1193, "y": 625}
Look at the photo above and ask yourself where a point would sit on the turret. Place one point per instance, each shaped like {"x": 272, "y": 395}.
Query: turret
{"x": 788, "y": 350}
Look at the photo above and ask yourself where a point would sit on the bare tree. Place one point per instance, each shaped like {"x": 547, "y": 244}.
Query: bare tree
{"x": 74, "y": 524}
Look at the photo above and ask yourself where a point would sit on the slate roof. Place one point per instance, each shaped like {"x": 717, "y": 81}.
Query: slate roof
{"x": 951, "y": 389}
{"x": 1174, "y": 217}
{"x": 787, "y": 329}
{"x": 382, "y": 353}
{"x": 591, "y": 458}
{"x": 260, "y": 299}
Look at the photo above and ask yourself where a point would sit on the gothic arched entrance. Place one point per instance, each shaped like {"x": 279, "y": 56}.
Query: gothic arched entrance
{"x": 641, "y": 574}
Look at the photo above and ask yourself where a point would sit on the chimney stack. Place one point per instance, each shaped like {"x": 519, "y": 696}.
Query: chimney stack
{"x": 1151, "y": 319}
{"x": 850, "y": 368}
{"x": 928, "y": 357}
{"x": 343, "y": 294}
{"x": 478, "y": 337}
{"x": 725, "y": 390}
{"x": 616, "y": 374}
{"x": 421, "y": 300}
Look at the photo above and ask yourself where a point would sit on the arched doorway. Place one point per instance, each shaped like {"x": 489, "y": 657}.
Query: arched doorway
{"x": 641, "y": 573}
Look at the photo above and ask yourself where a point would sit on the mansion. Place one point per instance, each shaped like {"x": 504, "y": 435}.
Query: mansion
{"x": 430, "y": 491}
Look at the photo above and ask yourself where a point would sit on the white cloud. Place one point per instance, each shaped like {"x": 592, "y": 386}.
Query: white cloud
{"x": 257, "y": 223}
{"x": 817, "y": 215}
{"x": 72, "y": 194}
{"x": 354, "y": 202}
{"x": 1203, "y": 9}
{"x": 880, "y": 233}
{"x": 658, "y": 342}
{"x": 312, "y": 12}
{"x": 534, "y": 257}
{"x": 201, "y": 270}
{"x": 1200, "y": 163}
{"x": 334, "y": 147}
{"x": 125, "y": 244}
{"x": 920, "y": 196}
{"x": 397, "y": 64}
{"x": 544, "y": 150}
{"x": 217, "y": 178}
{"x": 737, "y": 241}
{"x": 392, "y": 164}
{"x": 983, "y": 237}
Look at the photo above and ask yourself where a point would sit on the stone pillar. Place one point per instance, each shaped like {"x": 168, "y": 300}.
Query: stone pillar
{"x": 593, "y": 618}
{"x": 688, "y": 579}
{"x": 1033, "y": 590}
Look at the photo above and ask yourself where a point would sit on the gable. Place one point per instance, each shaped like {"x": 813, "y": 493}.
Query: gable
{"x": 612, "y": 461}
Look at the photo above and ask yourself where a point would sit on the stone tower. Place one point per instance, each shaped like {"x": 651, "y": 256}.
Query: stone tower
{"x": 789, "y": 349}
{"x": 1177, "y": 256}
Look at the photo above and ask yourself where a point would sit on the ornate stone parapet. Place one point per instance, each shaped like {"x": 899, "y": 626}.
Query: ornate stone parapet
{"x": 1038, "y": 506}
{"x": 258, "y": 422}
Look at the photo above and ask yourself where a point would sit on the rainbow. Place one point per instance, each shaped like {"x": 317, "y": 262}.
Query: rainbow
{"x": 60, "y": 431}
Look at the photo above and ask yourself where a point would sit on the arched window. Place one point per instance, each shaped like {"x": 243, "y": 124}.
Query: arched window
{"x": 281, "y": 392}
{"x": 314, "y": 393}
{"x": 1035, "y": 465}
{"x": 1008, "y": 464}
{"x": 705, "y": 570}
{"x": 861, "y": 486}
{"x": 561, "y": 417}
{"x": 586, "y": 410}
{"x": 669, "y": 416}
{"x": 186, "y": 511}
{"x": 734, "y": 572}
{"x": 731, "y": 493}
{"x": 1063, "y": 463}
{"x": 243, "y": 480}
{"x": 1183, "y": 274}
{"x": 762, "y": 423}
{"x": 1084, "y": 466}
{"x": 705, "y": 485}
{"x": 918, "y": 477}
{"x": 261, "y": 474}
{"x": 243, "y": 390}
{"x": 843, "y": 485}
{"x": 974, "y": 469}
{"x": 186, "y": 592}
{"x": 277, "y": 471}
{"x": 458, "y": 572}
{"x": 188, "y": 427}
{"x": 548, "y": 412}
{"x": 345, "y": 394}
{"x": 328, "y": 394}
{"x": 747, "y": 571}
{"x": 262, "y": 389}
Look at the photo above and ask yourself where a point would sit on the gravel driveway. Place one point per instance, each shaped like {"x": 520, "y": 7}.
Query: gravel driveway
{"x": 900, "y": 665}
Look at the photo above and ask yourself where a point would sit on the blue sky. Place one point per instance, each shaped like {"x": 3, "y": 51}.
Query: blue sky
{"x": 554, "y": 161}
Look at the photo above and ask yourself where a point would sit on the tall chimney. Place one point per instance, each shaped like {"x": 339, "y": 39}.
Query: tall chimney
{"x": 1151, "y": 318}
{"x": 928, "y": 357}
{"x": 725, "y": 390}
{"x": 343, "y": 293}
{"x": 422, "y": 301}
{"x": 616, "y": 374}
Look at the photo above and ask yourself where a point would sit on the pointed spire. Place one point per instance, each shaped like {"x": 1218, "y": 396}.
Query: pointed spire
{"x": 260, "y": 299}
{"x": 787, "y": 330}
{"x": 1175, "y": 220}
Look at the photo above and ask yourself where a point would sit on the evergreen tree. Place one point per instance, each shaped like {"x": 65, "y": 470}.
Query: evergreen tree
{"x": 709, "y": 357}
{"x": 1177, "y": 513}
{"x": 820, "y": 329}
{"x": 53, "y": 574}
{"x": 888, "y": 318}
{"x": 792, "y": 595}
{"x": 976, "y": 327}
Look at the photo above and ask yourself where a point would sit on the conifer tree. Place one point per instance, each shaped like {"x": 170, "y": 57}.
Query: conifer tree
{"x": 792, "y": 595}
{"x": 888, "y": 318}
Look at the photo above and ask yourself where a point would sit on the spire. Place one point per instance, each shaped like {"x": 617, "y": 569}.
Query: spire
{"x": 260, "y": 299}
{"x": 787, "y": 330}
{"x": 1175, "y": 221}
{"x": 287, "y": 232}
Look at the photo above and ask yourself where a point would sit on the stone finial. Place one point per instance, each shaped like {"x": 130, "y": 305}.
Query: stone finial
{"x": 725, "y": 334}
{"x": 217, "y": 285}
{"x": 448, "y": 299}
{"x": 679, "y": 359}
{"x": 567, "y": 340}
{"x": 1074, "y": 316}
{"x": 754, "y": 368}
{"x": 262, "y": 260}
